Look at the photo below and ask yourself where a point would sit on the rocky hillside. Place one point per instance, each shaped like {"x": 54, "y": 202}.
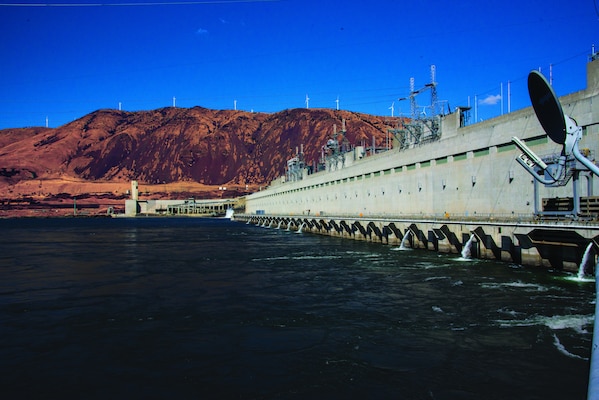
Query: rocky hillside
{"x": 171, "y": 145}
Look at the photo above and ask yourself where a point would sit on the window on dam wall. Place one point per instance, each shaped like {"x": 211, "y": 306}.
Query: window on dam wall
{"x": 460, "y": 157}
{"x": 506, "y": 147}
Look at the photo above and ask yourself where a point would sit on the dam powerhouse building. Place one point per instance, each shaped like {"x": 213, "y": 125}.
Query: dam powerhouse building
{"x": 446, "y": 185}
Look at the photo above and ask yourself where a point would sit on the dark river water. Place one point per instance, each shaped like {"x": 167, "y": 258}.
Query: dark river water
{"x": 213, "y": 309}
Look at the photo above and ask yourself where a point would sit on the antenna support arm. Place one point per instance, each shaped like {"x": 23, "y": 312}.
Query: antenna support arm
{"x": 585, "y": 161}
{"x": 528, "y": 159}
{"x": 532, "y": 171}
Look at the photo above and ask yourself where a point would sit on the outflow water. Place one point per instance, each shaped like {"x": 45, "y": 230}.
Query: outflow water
{"x": 203, "y": 308}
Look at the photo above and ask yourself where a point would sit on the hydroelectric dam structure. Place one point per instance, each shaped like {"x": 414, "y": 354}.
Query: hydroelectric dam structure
{"x": 517, "y": 188}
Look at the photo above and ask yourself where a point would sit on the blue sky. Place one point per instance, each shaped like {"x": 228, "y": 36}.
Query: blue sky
{"x": 62, "y": 60}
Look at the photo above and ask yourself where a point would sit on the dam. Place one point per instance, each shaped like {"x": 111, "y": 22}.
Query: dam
{"x": 446, "y": 186}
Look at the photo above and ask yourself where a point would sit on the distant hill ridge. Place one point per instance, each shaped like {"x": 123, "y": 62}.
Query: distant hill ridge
{"x": 211, "y": 147}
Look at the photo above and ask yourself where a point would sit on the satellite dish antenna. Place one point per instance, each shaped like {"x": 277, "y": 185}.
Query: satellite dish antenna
{"x": 547, "y": 107}
{"x": 554, "y": 171}
{"x": 559, "y": 127}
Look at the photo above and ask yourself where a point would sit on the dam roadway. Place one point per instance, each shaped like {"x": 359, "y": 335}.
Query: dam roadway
{"x": 556, "y": 245}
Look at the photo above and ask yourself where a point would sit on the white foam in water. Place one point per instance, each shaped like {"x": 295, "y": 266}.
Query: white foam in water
{"x": 430, "y": 265}
{"x": 517, "y": 285}
{"x": 317, "y": 257}
{"x": 272, "y": 258}
{"x": 464, "y": 259}
{"x": 576, "y": 322}
{"x": 520, "y": 284}
{"x": 557, "y": 322}
{"x": 303, "y": 257}
{"x": 513, "y": 313}
{"x": 579, "y": 279}
{"x": 401, "y": 249}
{"x": 362, "y": 254}
{"x": 562, "y": 349}
{"x": 437, "y": 309}
{"x": 435, "y": 278}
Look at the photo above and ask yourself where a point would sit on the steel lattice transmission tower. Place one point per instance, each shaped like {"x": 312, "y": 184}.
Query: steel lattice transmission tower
{"x": 433, "y": 87}
{"x": 421, "y": 127}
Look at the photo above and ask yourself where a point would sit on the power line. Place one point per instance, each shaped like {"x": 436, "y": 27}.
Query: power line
{"x": 176, "y": 3}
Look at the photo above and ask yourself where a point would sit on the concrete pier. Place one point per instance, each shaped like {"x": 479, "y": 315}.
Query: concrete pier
{"x": 549, "y": 245}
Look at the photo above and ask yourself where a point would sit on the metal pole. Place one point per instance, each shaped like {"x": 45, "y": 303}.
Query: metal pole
{"x": 509, "y": 97}
{"x": 593, "y": 389}
{"x": 501, "y": 88}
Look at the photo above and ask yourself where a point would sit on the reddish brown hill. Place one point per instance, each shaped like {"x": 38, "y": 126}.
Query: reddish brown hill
{"x": 9, "y": 136}
{"x": 170, "y": 145}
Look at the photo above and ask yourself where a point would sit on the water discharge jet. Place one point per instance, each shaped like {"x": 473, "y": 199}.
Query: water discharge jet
{"x": 466, "y": 251}
{"x": 402, "y": 245}
{"x": 585, "y": 259}
{"x": 301, "y": 227}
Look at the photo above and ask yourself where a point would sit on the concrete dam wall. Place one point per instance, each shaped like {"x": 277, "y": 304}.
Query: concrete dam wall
{"x": 466, "y": 184}
{"x": 469, "y": 171}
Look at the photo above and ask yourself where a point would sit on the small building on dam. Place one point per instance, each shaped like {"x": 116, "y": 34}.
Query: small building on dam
{"x": 190, "y": 207}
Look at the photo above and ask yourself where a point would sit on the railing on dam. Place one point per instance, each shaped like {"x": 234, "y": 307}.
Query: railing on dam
{"x": 511, "y": 218}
